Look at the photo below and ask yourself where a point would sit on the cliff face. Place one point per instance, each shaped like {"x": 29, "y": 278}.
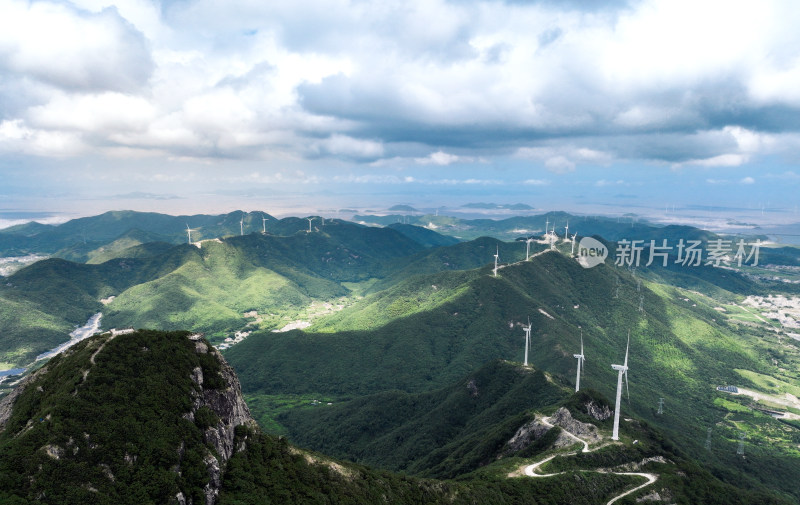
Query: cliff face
{"x": 227, "y": 404}
{"x": 143, "y": 417}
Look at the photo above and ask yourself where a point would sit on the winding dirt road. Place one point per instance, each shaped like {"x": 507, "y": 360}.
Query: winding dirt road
{"x": 530, "y": 470}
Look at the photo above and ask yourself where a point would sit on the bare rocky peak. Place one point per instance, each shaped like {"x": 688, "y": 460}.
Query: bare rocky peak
{"x": 229, "y": 406}
{"x": 564, "y": 419}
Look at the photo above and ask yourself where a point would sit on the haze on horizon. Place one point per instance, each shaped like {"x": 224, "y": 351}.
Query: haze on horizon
{"x": 183, "y": 107}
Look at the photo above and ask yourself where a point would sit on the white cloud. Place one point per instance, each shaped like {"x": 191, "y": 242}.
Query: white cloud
{"x": 72, "y": 49}
{"x": 443, "y": 159}
{"x": 536, "y": 182}
{"x": 369, "y": 82}
{"x": 349, "y": 147}
{"x": 747, "y": 180}
{"x": 15, "y": 136}
{"x": 94, "y": 113}
{"x": 603, "y": 183}
{"x": 722, "y": 160}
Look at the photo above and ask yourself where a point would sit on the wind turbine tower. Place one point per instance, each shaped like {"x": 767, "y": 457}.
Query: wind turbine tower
{"x": 527, "y": 340}
{"x": 496, "y": 257}
{"x": 241, "y": 226}
{"x": 573, "y": 243}
{"x": 546, "y": 227}
{"x": 566, "y": 231}
{"x": 528, "y": 248}
{"x": 189, "y": 232}
{"x": 264, "y": 224}
{"x": 622, "y": 370}
{"x": 580, "y": 357}
{"x": 309, "y": 223}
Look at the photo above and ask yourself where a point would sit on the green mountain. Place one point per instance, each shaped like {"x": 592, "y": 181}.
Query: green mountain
{"x": 427, "y": 332}
{"x": 155, "y": 417}
{"x": 442, "y": 433}
{"x": 396, "y": 322}
{"x": 424, "y": 236}
{"x": 207, "y": 288}
{"x": 78, "y": 238}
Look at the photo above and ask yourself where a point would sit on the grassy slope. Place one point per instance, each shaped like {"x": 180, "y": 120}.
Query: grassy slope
{"x": 418, "y": 433}
{"x": 200, "y": 289}
{"x": 677, "y": 351}
{"x": 120, "y": 435}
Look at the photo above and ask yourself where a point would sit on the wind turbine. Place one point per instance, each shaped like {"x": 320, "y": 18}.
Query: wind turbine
{"x": 241, "y": 226}
{"x": 264, "y": 224}
{"x": 573, "y": 243}
{"x": 309, "y": 223}
{"x": 546, "y": 227}
{"x": 622, "y": 370}
{"x": 496, "y": 257}
{"x": 581, "y": 358}
{"x": 566, "y": 231}
{"x": 528, "y": 248}
{"x": 189, "y": 232}
{"x": 527, "y": 340}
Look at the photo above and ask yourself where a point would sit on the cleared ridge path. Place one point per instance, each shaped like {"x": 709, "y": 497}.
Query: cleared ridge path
{"x": 530, "y": 470}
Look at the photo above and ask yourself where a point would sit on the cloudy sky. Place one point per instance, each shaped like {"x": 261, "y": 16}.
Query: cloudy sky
{"x": 193, "y": 105}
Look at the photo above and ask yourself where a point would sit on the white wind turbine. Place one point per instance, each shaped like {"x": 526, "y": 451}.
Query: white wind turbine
{"x": 573, "y": 243}
{"x": 622, "y": 370}
{"x": 528, "y": 248}
{"x": 581, "y": 358}
{"x": 241, "y": 226}
{"x": 264, "y": 224}
{"x": 546, "y": 227}
{"x": 566, "y": 231}
{"x": 527, "y": 339}
{"x": 309, "y": 223}
{"x": 189, "y": 232}
{"x": 496, "y": 257}
{"x": 553, "y": 237}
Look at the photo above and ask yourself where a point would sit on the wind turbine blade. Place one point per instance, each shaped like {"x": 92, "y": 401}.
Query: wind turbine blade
{"x": 626, "y": 386}
{"x": 627, "y": 347}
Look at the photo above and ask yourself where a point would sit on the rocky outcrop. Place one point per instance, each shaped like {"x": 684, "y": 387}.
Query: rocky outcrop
{"x": 7, "y": 402}
{"x": 525, "y": 436}
{"x": 586, "y": 431}
{"x": 601, "y": 413}
{"x": 231, "y": 411}
{"x": 473, "y": 388}
{"x": 529, "y": 433}
{"x": 635, "y": 466}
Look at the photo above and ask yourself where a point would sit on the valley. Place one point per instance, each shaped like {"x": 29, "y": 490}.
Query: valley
{"x": 400, "y": 348}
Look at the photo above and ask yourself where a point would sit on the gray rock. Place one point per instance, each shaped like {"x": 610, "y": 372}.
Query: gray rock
{"x": 586, "y": 431}
{"x": 525, "y": 436}
{"x": 598, "y": 412}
